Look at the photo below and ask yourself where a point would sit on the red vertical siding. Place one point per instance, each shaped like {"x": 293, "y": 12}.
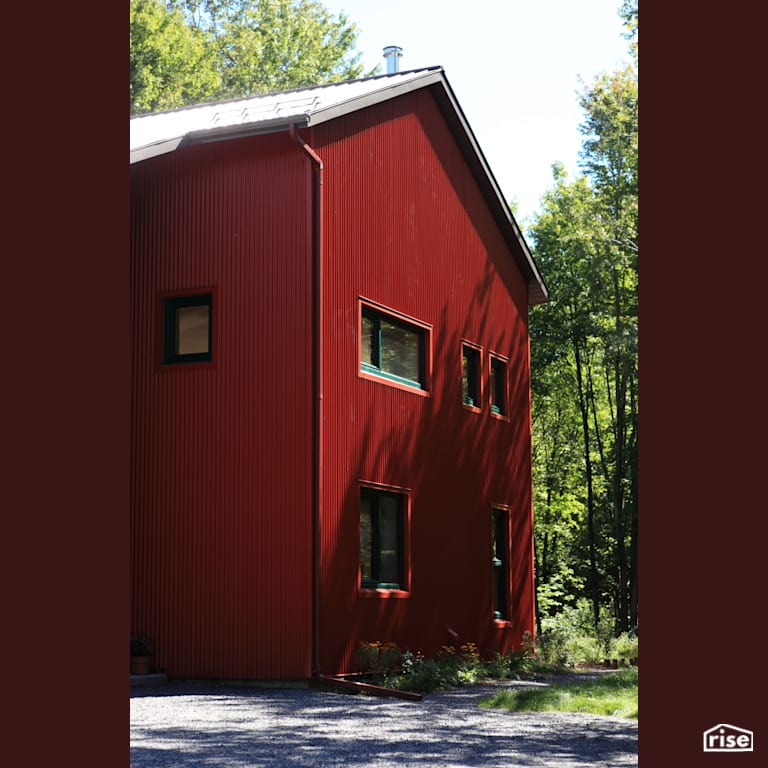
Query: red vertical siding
{"x": 405, "y": 225}
{"x": 221, "y": 460}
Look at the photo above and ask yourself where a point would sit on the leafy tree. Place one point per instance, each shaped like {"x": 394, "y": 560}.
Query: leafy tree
{"x": 584, "y": 362}
{"x": 609, "y": 157}
{"x": 562, "y": 350}
{"x": 628, "y": 13}
{"x": 268, "y": 45}
{"x": 171, "y": 64}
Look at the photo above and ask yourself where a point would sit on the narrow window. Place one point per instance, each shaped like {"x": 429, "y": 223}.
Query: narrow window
{"x": 470, "y": 375}
{"x": 498, "y": 386}
{"x": 392, "y": 348}
{"x": 381, "y": 539}
{"x": 500, "y": 563}
{"x": 188, "y": 328}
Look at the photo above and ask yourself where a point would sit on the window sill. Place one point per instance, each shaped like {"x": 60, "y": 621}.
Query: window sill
{"x": 414, "y": 388}
{"x": 385, "y": 594}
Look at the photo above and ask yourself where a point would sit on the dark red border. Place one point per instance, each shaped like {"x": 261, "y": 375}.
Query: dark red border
{"x": 703, "y": 423}
{"x": 66, "y": 384}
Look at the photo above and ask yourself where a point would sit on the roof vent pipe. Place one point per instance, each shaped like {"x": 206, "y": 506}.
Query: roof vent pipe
{"x": 393, "y": 53}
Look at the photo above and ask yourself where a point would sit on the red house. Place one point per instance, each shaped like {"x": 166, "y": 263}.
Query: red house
{"x": 330, "y": 398}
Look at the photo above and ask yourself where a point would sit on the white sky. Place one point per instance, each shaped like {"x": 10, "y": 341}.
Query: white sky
{"x": 514, "y": 66}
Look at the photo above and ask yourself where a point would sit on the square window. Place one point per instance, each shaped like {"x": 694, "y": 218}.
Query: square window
{"x": 393, "y": 348}
{"x": 381, "y": 539}
{"x": 500, "y": 562}
{"x": 188, "y": 328}
{"x": 470, "y": 375}
{"x": 498, "y": 386}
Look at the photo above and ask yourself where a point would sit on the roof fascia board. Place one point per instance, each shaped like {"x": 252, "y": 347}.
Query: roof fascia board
{"x": 153, "y": 150}
{"x": 209, "y": 135}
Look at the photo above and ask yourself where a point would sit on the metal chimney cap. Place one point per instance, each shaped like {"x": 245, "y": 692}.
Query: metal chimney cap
{"x": 392, "y": 54}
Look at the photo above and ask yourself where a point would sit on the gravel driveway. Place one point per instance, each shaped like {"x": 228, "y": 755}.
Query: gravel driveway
{"x": 220, "y": 726}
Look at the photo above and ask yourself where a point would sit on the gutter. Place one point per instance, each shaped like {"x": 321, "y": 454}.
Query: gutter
{"x": 317, "y": 381}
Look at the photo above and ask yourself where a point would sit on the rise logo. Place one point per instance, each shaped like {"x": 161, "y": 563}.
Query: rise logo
{"x": 728, "y": 738}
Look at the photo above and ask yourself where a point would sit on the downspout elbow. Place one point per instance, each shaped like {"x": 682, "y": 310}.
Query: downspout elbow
{"x": 296, "y": 136}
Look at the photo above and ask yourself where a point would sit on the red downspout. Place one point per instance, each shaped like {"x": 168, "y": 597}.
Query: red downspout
{"x": 317, "y": 344}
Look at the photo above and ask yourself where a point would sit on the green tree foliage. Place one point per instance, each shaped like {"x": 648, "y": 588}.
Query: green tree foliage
{"x": 171, "y": 64}
{"x": 628, "y": 13}
{"x": 584, "y": 364}
{"x": 268, "y": 45}
{"x": 189, "y": 51}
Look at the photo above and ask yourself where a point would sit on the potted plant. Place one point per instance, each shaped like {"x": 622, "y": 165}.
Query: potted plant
{"x": 142, "y": 653}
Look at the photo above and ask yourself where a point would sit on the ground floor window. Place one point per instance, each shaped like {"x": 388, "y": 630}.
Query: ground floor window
{"x": 500, "y": 563}
{"x": 382, "y": 521}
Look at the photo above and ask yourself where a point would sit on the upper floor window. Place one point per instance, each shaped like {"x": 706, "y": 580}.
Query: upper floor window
{"x": 498, "y": 386}
{"x": 470, "y": 375}
{"x": 188, "y": 328}
{"x": 393, "y": 347}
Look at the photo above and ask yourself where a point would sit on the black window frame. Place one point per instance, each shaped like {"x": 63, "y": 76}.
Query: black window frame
{"x": 376, "y": 315}
{"x": 375, "y": 582}
{"x": 171, "y": 305}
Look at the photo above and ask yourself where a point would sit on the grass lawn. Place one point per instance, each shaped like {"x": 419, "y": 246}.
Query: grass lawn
{"x": 612, "y": 693}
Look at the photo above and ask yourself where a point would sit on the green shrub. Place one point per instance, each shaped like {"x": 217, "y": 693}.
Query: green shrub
{"x": 583, "y": 649}
{"x": 570, "y": 638}
{"x": 552, "y": 647}
{"x": 624, "y": 646}
{"x": 377, "y": 658}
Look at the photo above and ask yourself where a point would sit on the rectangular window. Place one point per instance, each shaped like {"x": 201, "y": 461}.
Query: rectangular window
{"x": 470, "y": 375}
{"x": 188, "y": 328}
{"x": 393, "y": 348}
{"x": 500, "y": 563}
{"x": 381, "y": 539}
{"x": 498, "y": 386}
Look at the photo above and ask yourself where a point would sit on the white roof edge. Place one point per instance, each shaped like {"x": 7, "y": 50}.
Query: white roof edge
{"x": 152, "y": 150}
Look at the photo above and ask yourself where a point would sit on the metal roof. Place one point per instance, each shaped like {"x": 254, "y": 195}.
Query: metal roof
{"x": 161, "y": 132}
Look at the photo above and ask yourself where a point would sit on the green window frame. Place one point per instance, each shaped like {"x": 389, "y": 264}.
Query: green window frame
{"x": 500, "y": 563}
{"x": 470, "y": 375}
{"x": 188, "y": 328}
{"x": 382, "y": 556}
{"x": 498, "y": 385}
{"x": 393, "y": 348}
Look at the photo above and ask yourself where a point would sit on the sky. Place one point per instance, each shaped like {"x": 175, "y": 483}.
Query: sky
{"x": 514, "y": 67}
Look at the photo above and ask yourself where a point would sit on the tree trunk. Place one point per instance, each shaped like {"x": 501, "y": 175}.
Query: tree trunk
{"x": 593, "y": 573}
